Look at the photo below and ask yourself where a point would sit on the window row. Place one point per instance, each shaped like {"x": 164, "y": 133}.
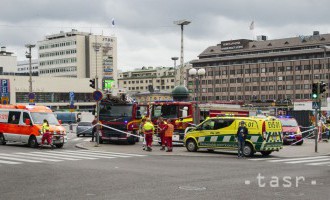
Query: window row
{"x": 264, "y": 98}
{"x": 147, "y": 81}
{"x": 50, "y": 97}
{"x": 58, "y": 70}
{"x": 146, "y": 88}
{"x": 58, "y": 61}
{"x": 57, "y": 53}
{"x": 58, "y": 44}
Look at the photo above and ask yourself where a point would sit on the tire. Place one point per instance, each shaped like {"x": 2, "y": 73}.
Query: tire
{"x": 191, "y": 145}
{"x": 59, "y": 145}
{"x": 2, "y": 139}
{"x": 33, "y": 143}
{"x": 300, "y": 143}
{"x": 265, "y": 153}
{"x": 131, "y": 140}
{"x": 248, "y": 150}
{"x": 78, "y": 135}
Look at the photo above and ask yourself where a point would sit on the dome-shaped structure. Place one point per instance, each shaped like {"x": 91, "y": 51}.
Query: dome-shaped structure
{"x": 180, "y": 93}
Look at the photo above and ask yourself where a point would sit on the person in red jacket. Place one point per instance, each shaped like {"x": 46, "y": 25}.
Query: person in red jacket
{"x": 161, "y": 125}
{"x": 169, "y": 129}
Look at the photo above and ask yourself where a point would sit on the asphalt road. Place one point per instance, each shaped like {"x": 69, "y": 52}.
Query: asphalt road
{"x": 71, "y": 173}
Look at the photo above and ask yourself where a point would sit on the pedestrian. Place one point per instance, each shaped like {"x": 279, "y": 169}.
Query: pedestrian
{"x": 94, "y": 122}
{"x": 169, "y": 129}
{"x": 143, "y": 121}
{"x": 46, "y": 134}
{"x": 242, "y": 132}
{"x": 148, "y": 129}
{"x": 161, "y": 125}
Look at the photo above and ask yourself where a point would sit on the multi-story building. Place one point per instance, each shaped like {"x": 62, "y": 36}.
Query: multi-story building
{"x": 80, "y": 55}
{"x": 23, "y": 67}
{"x": 8, "y": 62}
{"x": 147, "y": 79}
{"x": 263, "y": 70}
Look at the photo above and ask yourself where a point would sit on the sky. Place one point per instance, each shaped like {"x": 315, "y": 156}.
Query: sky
{"x": 146, "y": 34}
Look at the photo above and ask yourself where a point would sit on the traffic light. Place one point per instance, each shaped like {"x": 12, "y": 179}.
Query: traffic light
{"x": 323, "y": 87}
{"x": 315, "y": 91}
{"x": 92, "y": 81}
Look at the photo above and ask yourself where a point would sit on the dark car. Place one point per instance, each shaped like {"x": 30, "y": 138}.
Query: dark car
{"x": 84, "y": 128}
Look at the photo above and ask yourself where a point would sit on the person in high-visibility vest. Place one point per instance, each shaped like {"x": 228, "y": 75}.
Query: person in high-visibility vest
{"x": 46, "y": 134}
{"x": 169, "y": 129}
{"x": 141, "y": 131}
{"x": 148, "y": 129}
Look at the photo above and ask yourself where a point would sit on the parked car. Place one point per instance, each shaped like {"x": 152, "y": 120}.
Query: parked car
{"x": 291, "y": 130}
{"x": 84, "y": 128}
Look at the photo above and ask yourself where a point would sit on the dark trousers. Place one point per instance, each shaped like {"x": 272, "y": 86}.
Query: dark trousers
{"x": 241, "y": 144}
{"x": 93, "y": 133}
{"x": 162, "y": 138}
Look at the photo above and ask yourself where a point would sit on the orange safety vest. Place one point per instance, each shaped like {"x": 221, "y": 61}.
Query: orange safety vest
{"x": 169, "y": 131}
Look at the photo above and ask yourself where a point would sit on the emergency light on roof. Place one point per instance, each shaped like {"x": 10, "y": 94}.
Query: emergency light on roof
{"x": 281, "y": 116}
{"x": 225, "y": 115}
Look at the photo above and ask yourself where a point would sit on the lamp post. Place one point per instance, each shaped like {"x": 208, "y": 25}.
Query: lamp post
{"x": 29, "y": 56}
{"x": 196, "y": 75}
{"x": 96, "y": 47}
{"x": 175, "y": 59}
{"x": 181, "y": 23}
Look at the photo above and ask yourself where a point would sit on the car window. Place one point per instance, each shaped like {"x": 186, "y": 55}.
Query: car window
{"x": 26, "y": 116}
{"x": 208, "y": 125}
{"x": 14, "y": 117}
{"x": 222, "y": 123}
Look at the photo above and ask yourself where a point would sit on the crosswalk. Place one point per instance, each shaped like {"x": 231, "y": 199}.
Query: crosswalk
{"x": 79, "y": 139}
{"x": 59, "y": 156}
{"x": 311, "y": 161}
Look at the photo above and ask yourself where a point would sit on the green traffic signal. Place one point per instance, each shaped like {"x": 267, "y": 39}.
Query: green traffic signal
{"x": 314, "y": 96}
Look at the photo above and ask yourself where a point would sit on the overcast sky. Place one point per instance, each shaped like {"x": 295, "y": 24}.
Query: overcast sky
{"x": 145, "y": 30}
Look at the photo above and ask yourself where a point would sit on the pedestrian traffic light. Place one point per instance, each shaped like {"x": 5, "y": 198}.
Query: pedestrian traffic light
{"x": 323, "y": 87}
{"x": 92, "y": 81}
{"x": 315, "y": 91}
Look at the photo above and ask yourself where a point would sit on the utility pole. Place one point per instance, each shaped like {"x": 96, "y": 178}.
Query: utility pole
{"x": 97, "y": 48}
{"x": 29, "y": 56}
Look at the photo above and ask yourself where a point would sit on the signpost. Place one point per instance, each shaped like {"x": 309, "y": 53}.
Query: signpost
{"x": 31, "y": 98}
{"x": 71, "y": 95}
{"x": 4, "y": 91}
{"x": 97, "y": 95}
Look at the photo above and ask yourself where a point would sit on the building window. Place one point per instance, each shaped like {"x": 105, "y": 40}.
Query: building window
{"x": 247, "y": 80}
{"x": 306, "y": 86}
{"x": 289, "y": 87}
{"x": 297, "y": 87}
{"x": 263, "y": 79}
{"x": 288, "y": 68}
{"x": 289, "y": 78}
{"x": 298, "y": 77}
{"x": 306, "y": 77}
{"x": 224, "y": 81}
{"x": 280, "y": 78}
{"x": 307, "y": 67}
{"x": 124, "y": 82}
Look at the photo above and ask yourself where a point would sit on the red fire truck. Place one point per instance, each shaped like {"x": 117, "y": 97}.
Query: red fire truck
{"x": 180, "y": 112}
{"x": 121, "y": 115}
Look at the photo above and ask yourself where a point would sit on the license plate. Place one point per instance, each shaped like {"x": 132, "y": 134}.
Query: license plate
{"x": 289, "y": 139}
{"x": 176, "y": 138}
{"x": 113, "y": 138}
{"x": 57, "y": 142}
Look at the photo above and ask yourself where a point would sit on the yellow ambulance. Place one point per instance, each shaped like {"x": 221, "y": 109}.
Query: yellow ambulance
{"x": 265, "y": 135}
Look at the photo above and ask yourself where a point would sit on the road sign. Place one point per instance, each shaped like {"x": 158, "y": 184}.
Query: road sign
{"x": 71, "y": 94}
{"x": 31, "y": 95}
{"x": 4, "y": 100}
{"x": 316, "y": 105}
{"x": 97, "y": 95}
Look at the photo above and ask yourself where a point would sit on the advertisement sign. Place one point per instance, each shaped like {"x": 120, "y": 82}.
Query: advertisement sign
{"x": 234, "y": 44}
{"x": 4, "y": 116}
{"x": 108, "y": 84}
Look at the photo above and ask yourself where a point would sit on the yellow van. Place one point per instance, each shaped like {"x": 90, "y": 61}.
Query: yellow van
{"x": 265, "y": 135}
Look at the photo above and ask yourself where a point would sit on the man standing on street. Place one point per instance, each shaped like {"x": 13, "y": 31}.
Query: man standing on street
{"x": 242, "y": 132}
{"x": 169, "y": 129}
{"x": 148, "y": 129}
{"x": 161, "y": 125}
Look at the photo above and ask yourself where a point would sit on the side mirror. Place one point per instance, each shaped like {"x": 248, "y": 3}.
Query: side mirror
{"x": 28, "y": 122}
{"x": 60, "y": 121}
{"x": 181, "y": 118}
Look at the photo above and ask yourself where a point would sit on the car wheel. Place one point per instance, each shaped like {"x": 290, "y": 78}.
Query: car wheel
{"x": 33, "y": 143}
{"x": 78, "y": 135}
{"x": 131, "y": 140}
{"x": 2, "y": 139}
{"x": 83, "y": 135}
{"x": 210, "y": 150}
{"x": 191, "y": 145}
{"x": 248, "y": 150}
{"x": 300, "y": 143}
{"x": 59, "y": 145}
{"x": 266, "y": 153}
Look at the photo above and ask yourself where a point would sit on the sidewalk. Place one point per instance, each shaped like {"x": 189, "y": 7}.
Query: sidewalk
{"x": 307, "y": 149}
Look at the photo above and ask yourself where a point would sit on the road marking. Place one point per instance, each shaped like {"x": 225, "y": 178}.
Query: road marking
{"x": 306, "y": 161}
{"x": 303, "y": 158}
{"x": 257, "y": 159}
{"x": 109, "y": 152}
{"x": 9, "y": 162}
{"x": 96, "y": 153}
{"x": 64, "y": 155}
{"x": 76, "y": 139}
{"x": 86, "y": 140}
{"x": 321, "y": 163}
{"x": 47, "y": 156}
{"x": 43, "y": 159}
{"x": 10, "y": 157}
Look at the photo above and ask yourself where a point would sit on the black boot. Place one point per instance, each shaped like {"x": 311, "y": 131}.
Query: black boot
{"x": 163, "y": 148}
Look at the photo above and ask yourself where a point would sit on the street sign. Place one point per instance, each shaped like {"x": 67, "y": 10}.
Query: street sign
{"x": 316, "y": 105}
{"x": 4, "y": 100}
{"x": 71, "y": 94}
{"x": 97, "y": 95}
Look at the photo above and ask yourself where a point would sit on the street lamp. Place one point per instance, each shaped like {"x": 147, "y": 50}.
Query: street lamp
{"x": 197, "y": 75}
{"x": 29, "y": 56}
{"x": 181, "y": 23}
{"x": 175, "y": 59}
{"x": 96, "y": 47}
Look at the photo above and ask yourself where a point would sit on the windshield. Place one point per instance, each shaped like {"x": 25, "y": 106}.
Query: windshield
{"x": 289, "y": 122}
{"x": 38, "y": 118}
{"x": 166, "y": 111}
{"x": 116, "y": 110}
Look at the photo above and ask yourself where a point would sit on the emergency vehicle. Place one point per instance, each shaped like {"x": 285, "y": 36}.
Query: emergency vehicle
{"x": 122, "y": 115}
{"x": 23, "y": 123}
{"x": 181, "y": 114}
{"x": 265, "y": 135}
